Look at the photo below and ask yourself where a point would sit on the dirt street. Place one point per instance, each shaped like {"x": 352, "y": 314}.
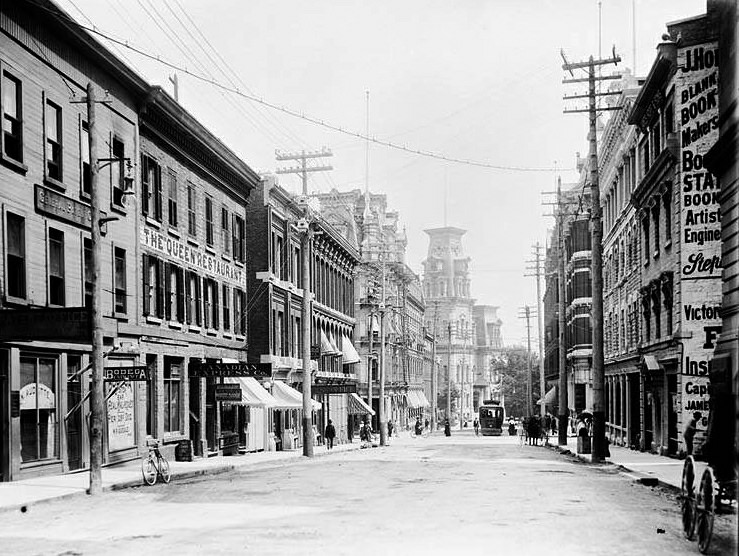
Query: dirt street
{"x": 437, "y": 495}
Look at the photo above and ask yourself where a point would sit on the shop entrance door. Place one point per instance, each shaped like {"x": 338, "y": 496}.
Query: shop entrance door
{"x": 4, "y": 418}
{"x": 211, "y": 416}
{"x": 672, "y": 436}
{"x": 195, "y": 416}
{"x": 74, "y": 421}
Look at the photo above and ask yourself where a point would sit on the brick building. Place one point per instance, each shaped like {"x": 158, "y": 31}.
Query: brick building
{"x": 275, "y": 313}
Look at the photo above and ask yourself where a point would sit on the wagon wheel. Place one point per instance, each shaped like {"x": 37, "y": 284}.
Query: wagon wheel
{"x": 687, "y": 490}
{"x": 706, "y": 507}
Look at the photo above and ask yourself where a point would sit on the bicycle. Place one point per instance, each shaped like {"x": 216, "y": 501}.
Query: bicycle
{"x": 155, "y": 465}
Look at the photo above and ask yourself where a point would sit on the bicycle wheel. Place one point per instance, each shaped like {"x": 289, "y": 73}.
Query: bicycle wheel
{"x": 149, "y": 470}
{"x": 164, "y": 469}
{"x": 705, "y": 502}
{"x": 687, "y": 491}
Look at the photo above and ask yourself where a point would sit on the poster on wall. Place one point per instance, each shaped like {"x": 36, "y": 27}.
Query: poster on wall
{"x": 121, "y": 429}
{"x": 696, "y": 91}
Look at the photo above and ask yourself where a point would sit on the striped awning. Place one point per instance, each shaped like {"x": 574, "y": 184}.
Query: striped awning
{"x": 549, "y": 397}
{"x": 326, "y": 347}
{"x": 357, "y": 406}
{"x": 414, "y": 401}
{"x": 423, "y": 399}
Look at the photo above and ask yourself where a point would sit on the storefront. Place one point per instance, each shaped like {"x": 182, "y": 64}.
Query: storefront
{"x": 288, "y": 416}
{"x": 249, "y": 417}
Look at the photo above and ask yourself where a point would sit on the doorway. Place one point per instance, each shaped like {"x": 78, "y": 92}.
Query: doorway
{"x": 194, "y": 411}
{"x": 74, "y": 412}
{"x": 4, "y": 417}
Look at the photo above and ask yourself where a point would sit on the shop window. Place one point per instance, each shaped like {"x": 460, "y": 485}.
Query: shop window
{"x": 209, "y": 231}
{"x": 87, "y": 271}
{"x": 39, "y": 431}
{"x": 172, "y": 383}
{"x": 12, "y": 109}
{"x": 120, "y": 292}
{"x": 226, "y": 308}
{"x": 172, "y": 198}
{"x": 56, "y": 267}
{"x": 277, "y": 242}
{"x": 16, "y": 256}
{"x": 85, "y": 159}
{"x": 225, "y": 232}
{"x": 153, "y": 286}
{"x": 151, "y": 188}
{"x": 278, "y": 331}
{"x": 53, "y": 132}
{"x": 118, "y": 151}
{"x": 191, "y": 212}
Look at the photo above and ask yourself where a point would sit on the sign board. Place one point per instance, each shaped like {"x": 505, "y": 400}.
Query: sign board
{"x": 15, "y": 403}
{"x": 211, "y": 370}
{"x": 332, "y": 388}
{"x": 315, "y": 352}
{"x": 53, "y": 204}
{"x": 228, "y": 392}
{"x": 72, "y": 324}
{"x": 134, "y": 373}
{"x": 121, "y": 421}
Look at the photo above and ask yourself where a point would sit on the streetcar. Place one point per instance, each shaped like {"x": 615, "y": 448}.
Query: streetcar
{"x": 492, "y": 417}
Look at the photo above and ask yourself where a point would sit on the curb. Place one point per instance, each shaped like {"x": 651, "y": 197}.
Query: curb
{"x": 638, "y": 477}
{"x": 185, "y": 474}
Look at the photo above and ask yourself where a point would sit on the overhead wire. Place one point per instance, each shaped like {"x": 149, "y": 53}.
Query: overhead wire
{"x": 302, "y": 115}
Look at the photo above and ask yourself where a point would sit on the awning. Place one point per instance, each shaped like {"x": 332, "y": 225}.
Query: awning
{"x": 357, "y": 406}
{"x": 252, "y": 393}
{"x": 650, "y": 362}
{"x": 414, "y": 401}
{"x": 423, "y": 399}
{"x": 326, "y": 347}
{"x": 549, "y": 397}
{"x": 334, "y": 345}
{"x": 289, "y": 398}
{"x": 349, "y": 351}
{"x": 375, "y": 324}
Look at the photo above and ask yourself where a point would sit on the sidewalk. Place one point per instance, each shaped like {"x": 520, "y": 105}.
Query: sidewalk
{"x": 18, "y": 495}
{"x": 645, "y": 468}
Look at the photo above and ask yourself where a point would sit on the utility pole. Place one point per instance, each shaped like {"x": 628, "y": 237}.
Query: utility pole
{"x": 449, "y": 373}
{"x": 303, "y": 169}
{"x": 529, "y": 387}
{"x": 306, "y": 238}
{"x": 599, "y": 414}
{"x": 538, "y": 272}
{"x": 381, "y": 404}
{"x": 96, "y": 388}
{"x": 561, "y": 324}
{"x": 434, "y": 370}
{"x": 370, "y": 358}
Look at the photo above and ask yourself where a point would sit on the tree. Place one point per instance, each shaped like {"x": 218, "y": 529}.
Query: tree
{"x": 513, "y": 369}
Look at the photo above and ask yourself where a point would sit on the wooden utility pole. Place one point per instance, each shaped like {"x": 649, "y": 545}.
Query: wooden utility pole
{"x": 596, "y": 226}
{"x": 529, "y": 387}
{"x": 449, "y": 373}
{"x": 370, "y": 358}
{"x": 303, "y": 169}
{"x": 434, "y": 371}
{"x": 538, "y": 272}
{"x": 381, "y": 394}
{"x": 305, "y": 247}
{"x": 96, "y": 388}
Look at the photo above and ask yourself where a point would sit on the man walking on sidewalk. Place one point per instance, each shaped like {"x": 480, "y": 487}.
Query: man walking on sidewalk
{"x": 689, "y": 432}
{"x": 330, "y": 434}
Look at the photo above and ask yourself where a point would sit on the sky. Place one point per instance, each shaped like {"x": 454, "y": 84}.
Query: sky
{"x": 476, "y": 80}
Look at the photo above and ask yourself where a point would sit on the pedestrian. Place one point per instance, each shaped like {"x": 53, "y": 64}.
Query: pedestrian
{"x": 426, "y": 424}
{"x": 329, "y": 435}
{"x": 389, "y": 429}
{"x": 447, "y": 428}
{"x": 554, "y": 425}
{"x": 689, "y": 432}
{"x": 418, "y": 428}
{"x": 476, "y": 424}
{"x": 363, "y": 434}
{"x": 547, "y": 422}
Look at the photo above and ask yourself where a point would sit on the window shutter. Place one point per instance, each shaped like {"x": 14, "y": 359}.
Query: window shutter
{"x": 234, "y": 238}
{"x": 167, "y": 291}
{"x": 144, "y": 185}
{"x": 188, "y": 298}
{"x": 180, "y": 296}
{"x": 236, "y": 312}
{"x": 216, "y": 309}
{"x": 206, "y": 302}
{"x": 198, "y": 301}
{"x": 146, "y": 286}
{"x": 160, "y": 288}
{"x": 158, "y": 192}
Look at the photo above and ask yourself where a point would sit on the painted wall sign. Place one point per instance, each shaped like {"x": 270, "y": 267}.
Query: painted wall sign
{"x": 54, "y": 204}
{"x": 66, "y": 323}
{"x": 333, "y": 389}
{"x": 193, "y": 257}
{"x": 37, "y": 396}
{"x": 696, "y": 94}
{"x": 121, "y": 420}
